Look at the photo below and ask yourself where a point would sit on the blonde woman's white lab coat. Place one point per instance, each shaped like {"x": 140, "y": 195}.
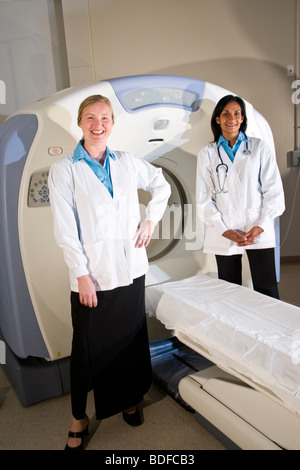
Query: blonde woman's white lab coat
{"x": 253, "y": 196}
{"x": 94, "y": 230}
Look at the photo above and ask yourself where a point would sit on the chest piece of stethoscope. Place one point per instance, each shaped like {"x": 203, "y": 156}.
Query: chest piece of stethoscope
{"x": 247, "y": 151}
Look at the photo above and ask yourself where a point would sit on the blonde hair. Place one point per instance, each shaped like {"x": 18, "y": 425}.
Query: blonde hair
{"x": 91, "y": 100}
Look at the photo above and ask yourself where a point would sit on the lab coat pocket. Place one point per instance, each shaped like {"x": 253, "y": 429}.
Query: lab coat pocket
{"x": 216, "y": 243}
{"x": 223, "y": 202}
{"x": 95, "y": 255}
{"x": 105, "y": 261}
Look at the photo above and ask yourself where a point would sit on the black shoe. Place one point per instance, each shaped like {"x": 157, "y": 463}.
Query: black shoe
{"x": 133, "y": 419}
{"x": 78, "y": 435}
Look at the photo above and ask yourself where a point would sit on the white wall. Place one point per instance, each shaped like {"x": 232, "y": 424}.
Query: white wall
{"x": 31, "y": 52}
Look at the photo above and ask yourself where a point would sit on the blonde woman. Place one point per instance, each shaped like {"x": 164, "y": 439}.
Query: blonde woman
{"x": 95, "y": 208}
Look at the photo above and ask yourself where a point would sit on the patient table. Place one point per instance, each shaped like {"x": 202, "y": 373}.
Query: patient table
{"x": 251, "y": 393}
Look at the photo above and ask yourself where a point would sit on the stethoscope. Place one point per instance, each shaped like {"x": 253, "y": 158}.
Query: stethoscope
{"x": 222, "y": 170}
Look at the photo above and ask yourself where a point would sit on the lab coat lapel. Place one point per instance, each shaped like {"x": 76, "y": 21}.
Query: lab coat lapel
{"x": 105, "y": 195}
{"x": 237, "y": 203}
{"x": 233, "y": 179}
{"x": 114, "y": 179}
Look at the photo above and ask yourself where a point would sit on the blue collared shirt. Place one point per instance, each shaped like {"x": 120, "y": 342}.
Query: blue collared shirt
{"x": 102, "y": 172}
{"x": 231, "y": 152}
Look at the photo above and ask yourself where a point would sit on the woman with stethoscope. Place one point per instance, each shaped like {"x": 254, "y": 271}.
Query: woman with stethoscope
{"x": 239, "y": 194}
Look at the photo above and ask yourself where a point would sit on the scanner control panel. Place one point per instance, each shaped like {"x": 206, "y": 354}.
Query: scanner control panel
{"x": 38, "y": 192}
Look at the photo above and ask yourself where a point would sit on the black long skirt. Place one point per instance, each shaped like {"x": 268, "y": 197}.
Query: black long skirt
{"x": 110, "y": 351}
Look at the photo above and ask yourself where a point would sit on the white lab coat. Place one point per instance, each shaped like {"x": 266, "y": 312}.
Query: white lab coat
{"x": 255, "y": 196}
{"x": 95, "y": 230}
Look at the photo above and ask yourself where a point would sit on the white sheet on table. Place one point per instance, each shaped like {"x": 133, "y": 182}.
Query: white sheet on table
{"x": 248, "y": 332}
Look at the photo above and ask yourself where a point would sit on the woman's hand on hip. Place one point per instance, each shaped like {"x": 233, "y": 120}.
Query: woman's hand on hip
{"x": 87, "y": 291}
{"x": 144, "y": 233}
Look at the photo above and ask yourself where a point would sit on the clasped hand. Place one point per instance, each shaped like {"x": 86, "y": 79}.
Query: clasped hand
{"x": 242, "y": 238}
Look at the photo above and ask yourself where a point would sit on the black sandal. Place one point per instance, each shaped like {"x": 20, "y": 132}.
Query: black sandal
{"x": 78, "y": 435}
{"x": 133, "y": 419}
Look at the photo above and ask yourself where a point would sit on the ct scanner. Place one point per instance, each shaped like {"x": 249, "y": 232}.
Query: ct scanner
{"x": 164, "y": 119}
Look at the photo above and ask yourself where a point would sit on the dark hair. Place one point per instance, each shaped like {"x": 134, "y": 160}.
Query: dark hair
{"x": 215, "y": 127}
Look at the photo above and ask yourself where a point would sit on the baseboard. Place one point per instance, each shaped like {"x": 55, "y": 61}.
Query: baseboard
{"x": 290, "y": 260}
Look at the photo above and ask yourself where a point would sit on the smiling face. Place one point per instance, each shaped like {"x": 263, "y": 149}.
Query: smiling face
{"x": 230, "y": 120}
{"x": 96, "y": 123}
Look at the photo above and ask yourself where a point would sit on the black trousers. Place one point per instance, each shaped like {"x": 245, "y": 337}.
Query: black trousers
{"x": 262, "y": 267}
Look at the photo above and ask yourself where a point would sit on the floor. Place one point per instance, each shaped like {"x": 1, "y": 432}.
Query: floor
{"x": 167, "y": 425}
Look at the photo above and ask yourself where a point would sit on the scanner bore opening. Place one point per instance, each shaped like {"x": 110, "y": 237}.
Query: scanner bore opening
{"x": 160, "y": 246}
